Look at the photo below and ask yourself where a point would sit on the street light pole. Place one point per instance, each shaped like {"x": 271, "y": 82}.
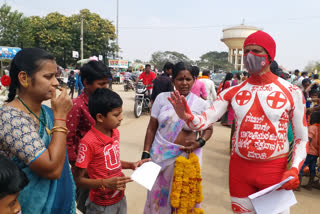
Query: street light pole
{"x": 81, "y": 39}
{"x": 117, "y": 28}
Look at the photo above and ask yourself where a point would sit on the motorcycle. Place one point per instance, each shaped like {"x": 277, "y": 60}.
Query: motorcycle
{"x": 142, "y": 101}
{"x": 128, "y": 84}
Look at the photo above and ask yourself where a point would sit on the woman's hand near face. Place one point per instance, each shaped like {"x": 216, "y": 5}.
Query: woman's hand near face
{"x": 62, "y": 104}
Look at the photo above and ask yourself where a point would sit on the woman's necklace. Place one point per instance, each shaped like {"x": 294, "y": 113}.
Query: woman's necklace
{"x": 43, "y": 123}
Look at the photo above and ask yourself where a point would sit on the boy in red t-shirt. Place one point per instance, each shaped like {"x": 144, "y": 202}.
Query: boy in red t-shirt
{"x": 99, "y": 156}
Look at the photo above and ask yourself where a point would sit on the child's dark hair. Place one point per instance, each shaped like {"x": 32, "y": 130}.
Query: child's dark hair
{"x": 94, "y": 70}
{"x": 12, "y": 179}
{"x": 29, "y": 60}
{"x": 315, "y": 117}
{"x": 181, "y": 66}
{"x": 103, "y": 101}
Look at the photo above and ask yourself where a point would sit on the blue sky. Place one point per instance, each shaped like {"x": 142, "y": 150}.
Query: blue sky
{"x": 194, "y": 27}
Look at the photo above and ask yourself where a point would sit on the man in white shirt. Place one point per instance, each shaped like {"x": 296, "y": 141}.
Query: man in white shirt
{"x": 209, "y": 85}
{"x": 299, "y": 81}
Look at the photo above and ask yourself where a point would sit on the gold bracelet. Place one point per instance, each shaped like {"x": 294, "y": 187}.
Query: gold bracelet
{"x": 146, "y": 152}
{"x": 59, "y": 130}
{"x": 59, "y": 127}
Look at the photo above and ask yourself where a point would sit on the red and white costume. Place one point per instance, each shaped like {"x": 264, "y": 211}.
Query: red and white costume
{"x": 263, "y": 106}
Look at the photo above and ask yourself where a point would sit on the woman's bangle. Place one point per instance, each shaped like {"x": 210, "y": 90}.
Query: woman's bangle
{"x": 201, "y": 141}
{"x": 59, "y": 130}
{"x": 59, "y": 127}
{"x": 61, "y": 119}
{"x": 146, "y": 152}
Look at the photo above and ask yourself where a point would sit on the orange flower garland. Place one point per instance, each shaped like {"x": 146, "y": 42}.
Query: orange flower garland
{"x": 186, "y": 190}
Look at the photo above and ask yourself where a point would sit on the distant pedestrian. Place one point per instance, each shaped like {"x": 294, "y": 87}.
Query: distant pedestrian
{"x": 313, "y": 151}
{"x": 198, "y": 87}
{"x": 147, "y": 78}
{"x": 209, "y": 85}
{"x": 163, "y": 82}
{"x": 79, "y": 85}
{"x": 71, "y": 83}
{"x": 245, "y": 76}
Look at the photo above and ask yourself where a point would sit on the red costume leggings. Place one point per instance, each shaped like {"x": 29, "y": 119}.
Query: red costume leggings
{"x": 247, "y": 177}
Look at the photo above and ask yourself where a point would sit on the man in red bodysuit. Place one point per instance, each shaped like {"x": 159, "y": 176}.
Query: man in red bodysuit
{"x": 263, "y": 104}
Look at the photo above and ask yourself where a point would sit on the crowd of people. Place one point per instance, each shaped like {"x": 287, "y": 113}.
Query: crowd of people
{"x": 51, "y": 158}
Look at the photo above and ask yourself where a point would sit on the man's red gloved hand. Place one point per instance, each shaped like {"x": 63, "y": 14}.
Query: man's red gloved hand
{"x": 293, "y": 183}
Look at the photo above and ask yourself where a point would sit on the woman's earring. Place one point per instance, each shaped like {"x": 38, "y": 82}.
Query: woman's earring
{"x": 26, "y": 84}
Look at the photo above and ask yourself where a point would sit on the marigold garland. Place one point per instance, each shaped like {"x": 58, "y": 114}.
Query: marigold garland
{"x": 186, "y": 190}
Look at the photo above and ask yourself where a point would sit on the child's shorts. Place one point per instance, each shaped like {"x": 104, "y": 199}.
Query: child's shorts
{"x": 118, "y": 208}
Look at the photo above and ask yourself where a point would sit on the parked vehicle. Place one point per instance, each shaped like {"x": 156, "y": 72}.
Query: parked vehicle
{"x": 218, "y": 78}
{"x": 142, "y": 101}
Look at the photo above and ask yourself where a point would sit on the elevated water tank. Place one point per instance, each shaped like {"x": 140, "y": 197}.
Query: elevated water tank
{"x": 234, "y": 38}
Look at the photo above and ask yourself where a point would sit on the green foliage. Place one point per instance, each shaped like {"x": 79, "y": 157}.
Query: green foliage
{"x": 159, "y": 58}
{"x": 58, "y": 34}
{"x": 138, "y": 61}
{"x": 12, "y": 27}
{"x": 214, "y": 60}
{"x": 312, "y": 66}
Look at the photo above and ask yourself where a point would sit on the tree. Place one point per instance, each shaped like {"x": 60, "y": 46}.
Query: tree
{"x": 52, "y": 33}
{"x": 58, "y": 34}
{"x": 138, "y": 61}
{"x": 14, "y": 30}
{"x": 214, "y": 60}
{"x": 99, "y": 34}
{"x": 159, "y": 58}
{"x": 312, "y": 66}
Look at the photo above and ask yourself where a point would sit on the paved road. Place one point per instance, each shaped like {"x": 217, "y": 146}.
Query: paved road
{"x": 214, "y": 169}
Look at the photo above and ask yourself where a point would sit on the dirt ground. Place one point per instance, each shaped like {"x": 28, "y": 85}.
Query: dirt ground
{"x": 215, "y": 165}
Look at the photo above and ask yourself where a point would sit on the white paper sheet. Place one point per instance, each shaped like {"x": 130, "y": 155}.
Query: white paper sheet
{"x": 269, "y": 201}
{"x": 146, "y": 174}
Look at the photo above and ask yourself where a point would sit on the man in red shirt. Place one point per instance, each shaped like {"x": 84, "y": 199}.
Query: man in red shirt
{"x": 147, "y": 77}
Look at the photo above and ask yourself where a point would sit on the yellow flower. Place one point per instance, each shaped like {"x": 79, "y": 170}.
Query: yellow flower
{"x": 198, "y": 211}
{"x": 186, "y": 187}
{"x": 182, "y": 211}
